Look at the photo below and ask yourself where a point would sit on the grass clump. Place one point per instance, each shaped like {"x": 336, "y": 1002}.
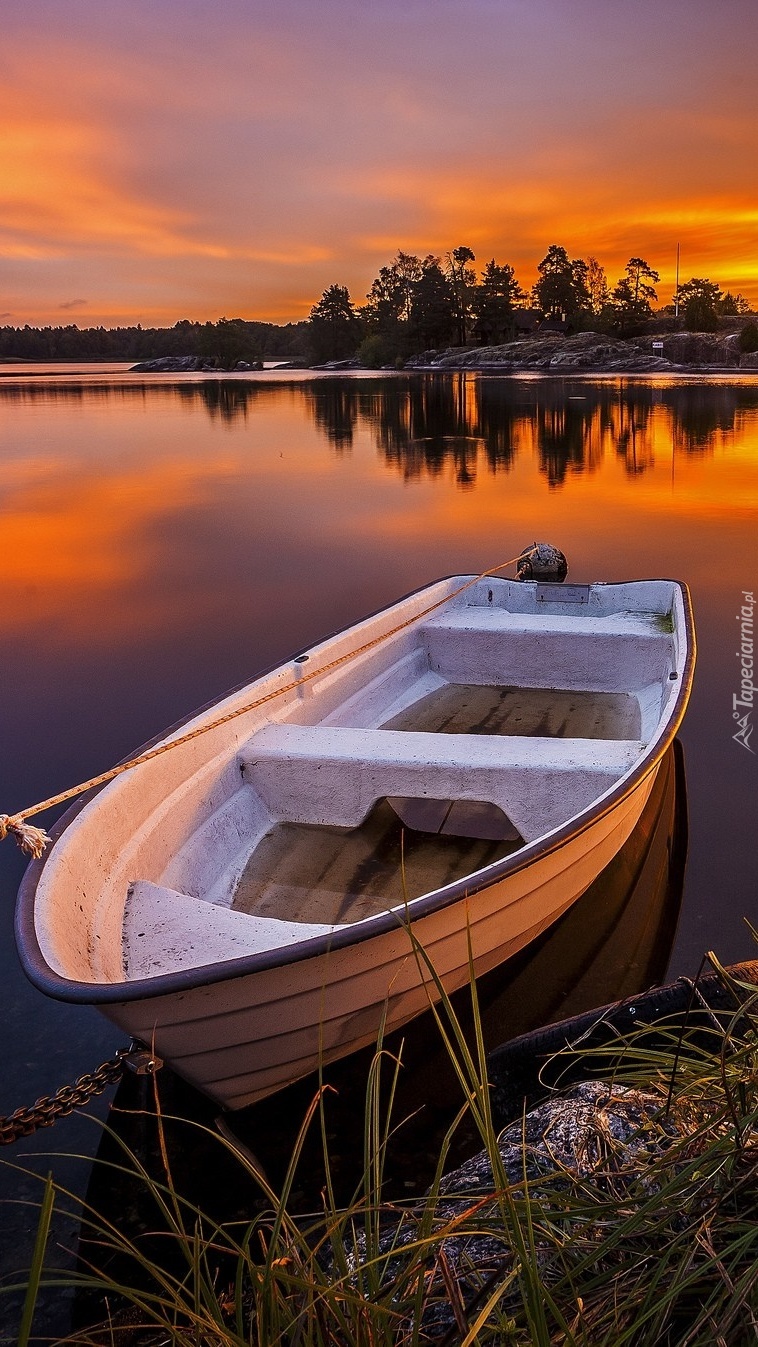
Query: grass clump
{"x": 639, "y": 1232}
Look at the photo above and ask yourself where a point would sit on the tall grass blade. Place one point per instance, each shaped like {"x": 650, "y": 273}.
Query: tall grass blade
{"x": 38, "y": 1259}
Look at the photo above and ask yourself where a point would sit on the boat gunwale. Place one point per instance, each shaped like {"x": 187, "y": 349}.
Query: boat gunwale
{"x": 55, "y": 985}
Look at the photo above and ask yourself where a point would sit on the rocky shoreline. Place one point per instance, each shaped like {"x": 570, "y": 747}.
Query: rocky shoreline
{"x": 546, "y": 353}
{"x": 191, "y": 364}
{"x": 593, "y": 352}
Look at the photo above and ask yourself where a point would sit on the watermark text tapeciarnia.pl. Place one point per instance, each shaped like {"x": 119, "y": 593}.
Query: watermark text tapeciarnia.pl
{"x": 743, "y": 701}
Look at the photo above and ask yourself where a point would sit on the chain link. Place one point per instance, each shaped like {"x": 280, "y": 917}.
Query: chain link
{"x": 47, "y": 1110}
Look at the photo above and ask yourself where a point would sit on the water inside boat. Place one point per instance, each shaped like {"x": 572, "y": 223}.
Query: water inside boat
{"x": 303, "y": 872}
{"x": 554, "y": 713}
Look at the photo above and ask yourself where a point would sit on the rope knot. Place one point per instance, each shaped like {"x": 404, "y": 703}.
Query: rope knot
{"x": 31, "y": 840}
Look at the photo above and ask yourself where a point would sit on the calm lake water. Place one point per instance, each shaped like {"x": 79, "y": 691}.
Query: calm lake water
{"x": 164, "y": 540}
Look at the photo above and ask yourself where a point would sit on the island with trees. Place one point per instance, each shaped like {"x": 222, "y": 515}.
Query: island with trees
{"x": 440, "y": 312}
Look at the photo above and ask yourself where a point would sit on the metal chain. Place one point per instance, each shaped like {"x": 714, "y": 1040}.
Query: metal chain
{"x": 47, "y": 1110}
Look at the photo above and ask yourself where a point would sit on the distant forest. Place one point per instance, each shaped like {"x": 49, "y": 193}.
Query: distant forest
{"x": 414, "y": 305}
{"x": 225, "y": 342}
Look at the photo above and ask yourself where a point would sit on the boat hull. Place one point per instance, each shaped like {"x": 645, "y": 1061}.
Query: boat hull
{"x": 243, "y": 1039}
{"x": 133, "y": 907}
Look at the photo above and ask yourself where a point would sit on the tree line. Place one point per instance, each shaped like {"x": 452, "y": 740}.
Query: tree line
{"x": 415, "y": 304}
{"x": 223, "y": 343}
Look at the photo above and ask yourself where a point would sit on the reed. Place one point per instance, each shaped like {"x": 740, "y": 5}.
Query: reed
{"x": 660, "y": 1252}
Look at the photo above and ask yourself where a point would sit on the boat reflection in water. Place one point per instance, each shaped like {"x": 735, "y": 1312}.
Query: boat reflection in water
{"x": 615, "y": 941}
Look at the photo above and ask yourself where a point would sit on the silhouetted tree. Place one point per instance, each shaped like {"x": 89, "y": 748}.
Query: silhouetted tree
{"x": 630, "y": 302}
{"x": 629, "y": 305}
{"x": 699, "y": 300}
{"x": 642, "y": 281}
{"x": 748, "y": 339}
{"x": 597, "y": 285}
{"x": 432, "y": 306}
{"x": 227, "y": 341}
{"x": 493, "y": 303}
{"x": 335, "y": 327}
{"x": 223, "y": 342}
{"x": 390, "y": 296}
{"x": 462, "y": 280}
{"x": 733, "y": 304}
{"x": 386, "y": 314}
{"x": 561, "y": 291}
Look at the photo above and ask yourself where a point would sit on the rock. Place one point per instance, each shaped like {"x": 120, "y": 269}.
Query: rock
{"x": 595, "y": 352}
{"x": 532, "y": 352}
{"x": 168, "y": 364}
{"x": 189, "y": 364}
{"x": 598, "y": 1136}
{"x": 423, "y": 360}
{"x": 552, "y": 351}
{"x": 588, "y": 348}
{"x": 695, "y": 348}
{"x": 542, "y": 561}
{"x": 592, "y": 1124}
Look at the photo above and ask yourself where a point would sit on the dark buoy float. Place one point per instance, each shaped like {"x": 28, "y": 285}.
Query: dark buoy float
{"x": 542, "y": 561}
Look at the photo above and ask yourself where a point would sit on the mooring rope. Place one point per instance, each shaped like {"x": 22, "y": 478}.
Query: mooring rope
{"x": 33, "y": 840}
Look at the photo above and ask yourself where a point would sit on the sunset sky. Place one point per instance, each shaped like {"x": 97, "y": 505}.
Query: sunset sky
{"x": 163, "y": 159}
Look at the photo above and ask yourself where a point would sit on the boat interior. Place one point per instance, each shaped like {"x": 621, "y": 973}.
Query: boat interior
{"x": 483, "y": 727}
{"x": 436, "y": 739}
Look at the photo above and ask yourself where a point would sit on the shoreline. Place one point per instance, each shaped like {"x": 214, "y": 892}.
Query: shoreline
{"x": 470, "y": 367}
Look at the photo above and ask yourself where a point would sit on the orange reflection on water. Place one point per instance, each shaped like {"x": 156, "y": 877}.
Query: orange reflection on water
{"x": 73, "y": 543}
{"x": 652, "y": 486}
{"x": 159, "y": 505}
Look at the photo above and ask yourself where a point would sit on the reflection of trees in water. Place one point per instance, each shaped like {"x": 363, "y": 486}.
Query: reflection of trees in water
{"x": 426, "y": 424}
{"x": 334, "y": 405}
{"x": 562, "y": 439}
{"x": 702, "y": 411}
{"x": 44, "y": 390}
{"x": 632, "y": 428}
{"x": 439, "y": 428}
{"x": 460, "y": 421}
{"x": 499, "y": 421}
{"x": 422, "y": 424}
{"x": 224, "y": 399}
{"x": 574, "y": 425}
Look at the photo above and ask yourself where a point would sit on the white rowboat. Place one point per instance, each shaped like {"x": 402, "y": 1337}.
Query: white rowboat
{"x": 239, "y": 902}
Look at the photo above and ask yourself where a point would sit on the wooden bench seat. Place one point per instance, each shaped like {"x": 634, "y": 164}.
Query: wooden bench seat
{"x": 612, "y": 653}
{"x": 319, "y": 775}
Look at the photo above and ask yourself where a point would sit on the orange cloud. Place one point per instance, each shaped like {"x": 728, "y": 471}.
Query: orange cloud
{"x": 55, "y": 193}
{"x": 168, "y": 170}
{"x": 516, "y": 224}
